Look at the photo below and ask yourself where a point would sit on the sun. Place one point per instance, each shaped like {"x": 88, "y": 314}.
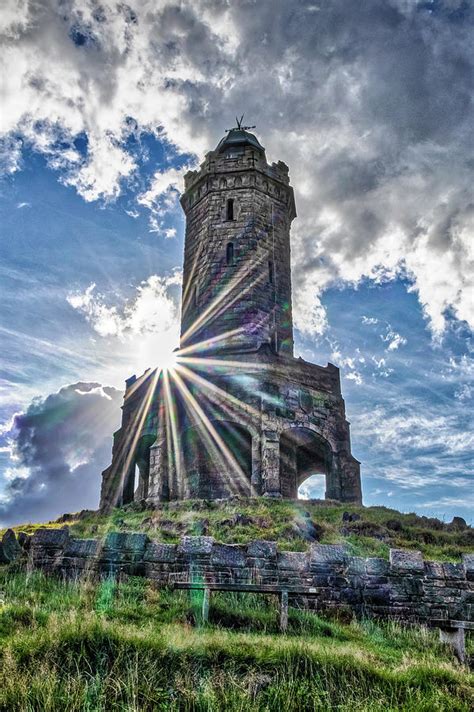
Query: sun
{"x": 168, "y": 359}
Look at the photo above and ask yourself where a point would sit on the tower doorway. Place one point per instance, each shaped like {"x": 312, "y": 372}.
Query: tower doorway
{"x": 303, "y": 454}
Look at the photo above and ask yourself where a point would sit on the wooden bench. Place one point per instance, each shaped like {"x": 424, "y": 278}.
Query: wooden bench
{"x": 451, "y": 632}
{"x": 280, "y": 591}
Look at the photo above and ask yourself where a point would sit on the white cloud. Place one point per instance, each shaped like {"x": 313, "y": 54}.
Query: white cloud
{"x": 464, "y": 392}
{"x": 382, "y": 369}
{"x": 151, "y": 310}
{"x": 98, "y": 390}
{"x": 402, "y": 432}
{"x": 393, "y": 339}
{"x": 354, "y": 376}
{"x": 458, "y": 502}
{"x": 369, "y": 320}
{"x": 162, "y": 197}
{"x": 377, "y": 134}
{"x": 147, "y": 325}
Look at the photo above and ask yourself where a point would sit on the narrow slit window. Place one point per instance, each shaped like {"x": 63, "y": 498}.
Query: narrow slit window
{"x": 230, "y": 253}
{"x": 196, "y": 295}
{"x": 230, "y": 209}
{"x": 270, "y": 271}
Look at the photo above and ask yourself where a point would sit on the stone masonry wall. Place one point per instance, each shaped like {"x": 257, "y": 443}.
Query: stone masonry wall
{"x": 403, "y": 588}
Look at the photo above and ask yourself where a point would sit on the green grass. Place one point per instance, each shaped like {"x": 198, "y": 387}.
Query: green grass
{"x": 283, "y": 521}
{"x": 124, "y": 645}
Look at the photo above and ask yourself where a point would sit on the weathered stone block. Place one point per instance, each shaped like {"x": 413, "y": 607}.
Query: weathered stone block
{"x": 321, "y": 554}
{"x": 82, "y": 548}
{"x": 24, "y": 540}
{"x": 468, "y": 563}
{"x": 228, "y": 555}
{"x": 454, "y": 571}
{"x": 377, "y": 596}
{"x": 10, "y": 548}
{"x": 352, "y": 596}
{"x": 157, "y": 552}
{"x": 57, "y": 538}
{"x": 403, "y": 561}
{"x": 377, "y": 567}
{"x": 355, "y": 566}
{"x": 126, "y": 541}
{"x": 195, "y": 545}
{"x": 293, "y": 560}
{"x": 434, "y": 569}
{"x": 259, "y": 548}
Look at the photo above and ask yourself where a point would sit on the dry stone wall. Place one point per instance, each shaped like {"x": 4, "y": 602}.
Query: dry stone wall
{"x": 405, "y": 587}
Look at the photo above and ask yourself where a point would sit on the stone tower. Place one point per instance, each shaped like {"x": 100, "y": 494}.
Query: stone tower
{"x": 238, "y": 415}
{"x": 237, "y": 279}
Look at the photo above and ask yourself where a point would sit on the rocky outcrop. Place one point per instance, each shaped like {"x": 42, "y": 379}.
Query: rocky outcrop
{"x": 10, "y": 549}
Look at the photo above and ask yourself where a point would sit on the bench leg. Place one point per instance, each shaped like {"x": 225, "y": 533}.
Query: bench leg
{"x": 283, "y": 611}
{"x": 455, "y": 638}
{"x": 205, "y": 605}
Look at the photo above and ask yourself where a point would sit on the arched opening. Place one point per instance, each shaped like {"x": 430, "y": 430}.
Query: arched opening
{"x": 230, "y": 209}
{"x": 313, "y": 487}
{"x": 218, "y": 463}
{"x": 303, "y": 454}
{"x": 230, "y": 253}
{"x": 137, "y": 481}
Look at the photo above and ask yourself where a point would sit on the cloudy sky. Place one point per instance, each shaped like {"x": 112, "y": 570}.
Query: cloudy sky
{"x": 105, "y": 105}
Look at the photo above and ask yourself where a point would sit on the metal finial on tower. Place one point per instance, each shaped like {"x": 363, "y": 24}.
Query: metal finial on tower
{"x": 239, "y": 126}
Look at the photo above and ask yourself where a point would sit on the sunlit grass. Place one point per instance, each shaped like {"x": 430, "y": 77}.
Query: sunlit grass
{"x": 126, "y": 646}
{"x": 284, "y": 521}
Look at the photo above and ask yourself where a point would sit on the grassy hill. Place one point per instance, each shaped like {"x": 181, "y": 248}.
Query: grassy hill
{"x": 294, "y": 524}
{"x": 126, "y": 646}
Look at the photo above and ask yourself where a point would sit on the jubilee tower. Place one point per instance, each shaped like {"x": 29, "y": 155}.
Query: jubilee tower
{"x": 238, "y": 414}
{"x": 236, "y": 275}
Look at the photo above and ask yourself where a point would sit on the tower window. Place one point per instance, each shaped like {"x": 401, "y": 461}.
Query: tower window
{"x": 270, "y": 271}
{"x": 230, "y": 253}
{"x": 230, "y": 209}
{"x": 196, "y": 295}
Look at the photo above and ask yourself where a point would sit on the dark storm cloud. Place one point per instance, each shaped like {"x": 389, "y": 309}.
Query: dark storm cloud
{"x": 60, "y": 446}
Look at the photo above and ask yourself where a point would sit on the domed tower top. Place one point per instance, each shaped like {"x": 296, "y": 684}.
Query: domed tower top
{"x": 239, "y": 138}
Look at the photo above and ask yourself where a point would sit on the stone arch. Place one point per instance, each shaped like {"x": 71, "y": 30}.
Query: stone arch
{"x": 210, "y": 474}
{"x": 304, "y": 452}
{"x": 137, "y": 481}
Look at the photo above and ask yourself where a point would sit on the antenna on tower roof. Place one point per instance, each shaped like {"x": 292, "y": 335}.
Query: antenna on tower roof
{"x": 239, "y": 126}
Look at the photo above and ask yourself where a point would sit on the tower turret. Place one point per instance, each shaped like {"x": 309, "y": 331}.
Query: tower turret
{"x": 237, "y": 278}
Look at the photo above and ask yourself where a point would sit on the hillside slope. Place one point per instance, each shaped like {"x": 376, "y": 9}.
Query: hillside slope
{"x": 366, "y": 531}
{"x": 124, "y": 645}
